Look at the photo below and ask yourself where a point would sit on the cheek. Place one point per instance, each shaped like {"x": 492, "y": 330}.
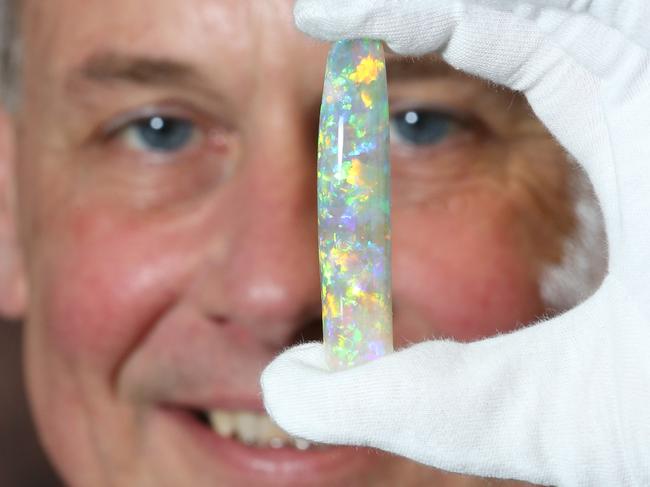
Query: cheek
{"x": 460, "y": 275}
{"x": 101, "y": 282}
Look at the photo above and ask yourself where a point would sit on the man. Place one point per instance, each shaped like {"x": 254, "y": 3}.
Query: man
{"x": 159, "y": 231}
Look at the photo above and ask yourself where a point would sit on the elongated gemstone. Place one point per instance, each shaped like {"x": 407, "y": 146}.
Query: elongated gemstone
{"x": 354, "y": 205}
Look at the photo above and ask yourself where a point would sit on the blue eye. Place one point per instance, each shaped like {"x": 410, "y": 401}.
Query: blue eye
{"x": 160, "y": 134}
{"x": 422, "y": 127}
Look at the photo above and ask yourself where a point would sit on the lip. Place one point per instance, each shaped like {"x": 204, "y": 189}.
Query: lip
{"x": 282, "y": 466}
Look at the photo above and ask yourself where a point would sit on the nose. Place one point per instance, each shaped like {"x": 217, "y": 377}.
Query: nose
{"x": 265, "y": 282}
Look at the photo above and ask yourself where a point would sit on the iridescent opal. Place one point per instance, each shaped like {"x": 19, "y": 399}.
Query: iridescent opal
{"x": 354, "y": 205}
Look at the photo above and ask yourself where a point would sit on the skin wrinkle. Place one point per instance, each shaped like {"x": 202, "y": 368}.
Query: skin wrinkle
{"x": 553, "y": 217}
{"x": 129, "y": 264}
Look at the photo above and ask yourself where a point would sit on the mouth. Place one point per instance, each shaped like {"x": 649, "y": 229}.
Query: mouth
{"x": 252, "y": 429}
{"x": 247, "y": 444}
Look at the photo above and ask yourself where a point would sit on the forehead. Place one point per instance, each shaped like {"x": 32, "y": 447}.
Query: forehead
{"x": 66, "y": 32}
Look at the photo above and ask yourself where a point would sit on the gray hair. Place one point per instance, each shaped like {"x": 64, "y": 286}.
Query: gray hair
{"x": 586, "y": 258}
{"x": 9, "y": 52}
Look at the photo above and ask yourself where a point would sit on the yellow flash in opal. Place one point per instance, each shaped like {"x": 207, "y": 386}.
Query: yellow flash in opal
{"x": 367, "y": 70}
{"x": 354, "y": 293}
{"x": 366, "y": 99}
{"x": 354, "y": 172}
{"x": 332, "y": 308}
{"x": 340, "y": 258}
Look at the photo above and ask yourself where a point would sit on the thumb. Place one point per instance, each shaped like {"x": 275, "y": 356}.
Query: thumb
{"x": 537, "y": 405}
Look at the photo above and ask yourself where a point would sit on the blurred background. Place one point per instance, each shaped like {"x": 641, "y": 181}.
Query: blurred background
{"x": 22, "y": 463}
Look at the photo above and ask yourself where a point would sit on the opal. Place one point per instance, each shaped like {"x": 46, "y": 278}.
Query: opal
{"x": 354, "y": 230}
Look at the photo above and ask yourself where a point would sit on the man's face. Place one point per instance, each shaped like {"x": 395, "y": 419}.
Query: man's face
{"x": 166, "y": 176}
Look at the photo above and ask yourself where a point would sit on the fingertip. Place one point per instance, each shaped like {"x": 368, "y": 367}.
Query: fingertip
{"x": 311, "y": 355}
{"x": 290, "y": 362}
{"x": 292, "y": 390}
{"x": 309, "y": 17}
{"x": 333, "y": 20}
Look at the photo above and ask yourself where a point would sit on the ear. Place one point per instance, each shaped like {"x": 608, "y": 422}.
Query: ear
{"x": 12, "y": 276}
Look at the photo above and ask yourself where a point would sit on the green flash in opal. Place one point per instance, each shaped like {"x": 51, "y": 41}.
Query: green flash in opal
{"x": 354, "y": 205}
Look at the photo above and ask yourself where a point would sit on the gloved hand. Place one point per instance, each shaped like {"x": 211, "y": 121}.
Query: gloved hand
{"x": 564, "y": 402}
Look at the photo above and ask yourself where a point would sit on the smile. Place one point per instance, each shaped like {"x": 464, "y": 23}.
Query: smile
{"x": 245, "y": 443}
{"x": 252, "y": 429}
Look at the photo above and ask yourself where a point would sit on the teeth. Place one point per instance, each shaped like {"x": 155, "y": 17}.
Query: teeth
{"x": 246, "y": 427}
{"x": 277, "y": 442}
{"x": 253, "y": 429}
{"x": 270, "y": 434}
{"x": 301, "y": 444}
{"x": 223, "y": 423}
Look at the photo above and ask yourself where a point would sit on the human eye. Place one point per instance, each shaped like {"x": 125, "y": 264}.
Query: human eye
{"x": 162, "y": 152}
{"x": 421, "y": 127}
{"x": 158, "y": 133}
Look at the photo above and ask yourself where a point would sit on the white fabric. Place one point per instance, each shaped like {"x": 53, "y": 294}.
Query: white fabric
{"x": 567, "y": 401}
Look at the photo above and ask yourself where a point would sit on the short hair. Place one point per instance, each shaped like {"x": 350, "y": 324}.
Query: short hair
{"x": 9, "y": 52}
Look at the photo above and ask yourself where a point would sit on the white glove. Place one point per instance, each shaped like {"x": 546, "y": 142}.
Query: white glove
{"x": 564, "y": 402}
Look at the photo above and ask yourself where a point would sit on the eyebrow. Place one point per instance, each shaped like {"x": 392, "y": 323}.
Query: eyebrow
{"x": 110, "y": 67}
{"x": 107, "y": 67}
